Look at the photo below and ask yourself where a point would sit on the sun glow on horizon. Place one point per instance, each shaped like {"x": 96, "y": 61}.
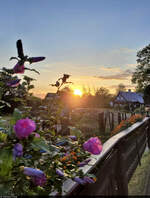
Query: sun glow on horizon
{"x": 77, "y": 92}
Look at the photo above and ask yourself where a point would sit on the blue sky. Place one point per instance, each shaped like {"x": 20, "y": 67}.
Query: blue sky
{"x": 93, "y": 40}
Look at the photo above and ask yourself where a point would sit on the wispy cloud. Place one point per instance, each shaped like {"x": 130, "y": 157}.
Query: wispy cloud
{"x": 124, "y": 50}
{"x": 126, "y": 86}
{"x": 124, "y": 75}
{"x": 131, "y": 66}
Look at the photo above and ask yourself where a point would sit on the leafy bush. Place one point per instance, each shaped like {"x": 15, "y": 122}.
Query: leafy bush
{"x": 40, "y": 164}
{"x": 35, "y": 160}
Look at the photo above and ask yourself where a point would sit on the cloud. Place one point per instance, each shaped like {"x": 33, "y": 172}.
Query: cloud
{"x": 124, "y": 75}
{"x": 124, "y": 50}
{"x": 110, "y": 69}
{"x": 87, "y": 67}
{"x": 131, "y": 66}
{"x": 126, "y": 86}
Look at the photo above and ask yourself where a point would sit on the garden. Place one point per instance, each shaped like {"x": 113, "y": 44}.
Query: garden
{"x": 36, "y": 157}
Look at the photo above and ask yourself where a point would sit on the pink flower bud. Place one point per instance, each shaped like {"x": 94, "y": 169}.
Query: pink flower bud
{"x": 18, "y": 69}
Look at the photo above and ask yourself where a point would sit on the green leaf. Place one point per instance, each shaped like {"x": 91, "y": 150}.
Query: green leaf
{"x": 30, "y": 87}
{"x": 53, "y": 133}
{"x": 6, "y": 161}
{"x": 2, "y": 106}
{"x": 16, "y": 99}
{"x": 17, "y": 115}
{"x": 5, "y": 103}
{"x": 3, "y": 122}
{"x": 39, "y": 143}
{"x": 5, "y": 189}
{"x": 3, "y": 136}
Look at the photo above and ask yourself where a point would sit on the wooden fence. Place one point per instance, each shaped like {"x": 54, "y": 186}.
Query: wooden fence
{"x": 110, "y": 120}
{"x": 106, "y": 122}
{"x": 116, "y": 164}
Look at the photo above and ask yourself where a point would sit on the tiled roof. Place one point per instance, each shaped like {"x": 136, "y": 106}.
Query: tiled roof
{"x": 129, "y": 97}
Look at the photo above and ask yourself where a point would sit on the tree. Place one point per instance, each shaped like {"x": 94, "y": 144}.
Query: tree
{"x": 102, "y": 97}
{"x": 121, "y": 87}
{"x": 141, "y": 76}
{"x": 15, "y": 96}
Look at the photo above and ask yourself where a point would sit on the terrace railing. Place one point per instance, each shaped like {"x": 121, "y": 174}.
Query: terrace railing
{"x": 116, "y": 164}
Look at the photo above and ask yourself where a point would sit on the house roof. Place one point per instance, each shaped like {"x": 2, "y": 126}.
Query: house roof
{"x": 50, "y": 95}
{"x": 125, "y": 97}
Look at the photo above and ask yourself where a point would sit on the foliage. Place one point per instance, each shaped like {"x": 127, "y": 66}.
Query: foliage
{"x": 15, "y": 96}
{"x": 141, "y": 76}
{"x": 63, "y": 80}
{"x": 11, "y": 90}
{"x": 140, "y": 109}
{"x": 30, "y": 154}
{"x": 41, "y": 153}
{"x": 121, "y": 87}
{"x": 102, "y": 97}
{"x": 127, "y": 123}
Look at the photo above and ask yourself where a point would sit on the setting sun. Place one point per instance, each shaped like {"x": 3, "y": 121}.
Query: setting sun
{"x": 78, "y": 92}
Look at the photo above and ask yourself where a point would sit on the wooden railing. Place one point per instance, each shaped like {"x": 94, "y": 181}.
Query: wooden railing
{"x": 116, "y": 164}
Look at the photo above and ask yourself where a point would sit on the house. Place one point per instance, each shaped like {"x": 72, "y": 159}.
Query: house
{"x": 130, "y": 98}
{"x": 50, "y": 95}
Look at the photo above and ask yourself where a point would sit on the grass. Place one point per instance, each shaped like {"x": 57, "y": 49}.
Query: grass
{"x": 139, "y": 179}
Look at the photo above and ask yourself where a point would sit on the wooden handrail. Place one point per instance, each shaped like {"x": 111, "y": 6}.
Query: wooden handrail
{"x": 113, "y": 148}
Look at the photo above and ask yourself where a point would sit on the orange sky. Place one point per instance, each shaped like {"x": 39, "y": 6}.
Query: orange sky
{"x": 107, "y": 69}
{"x": 110, "y": 79}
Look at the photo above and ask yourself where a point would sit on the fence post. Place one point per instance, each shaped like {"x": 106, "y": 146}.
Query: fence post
{"x": 112, "y": 121}
{"x": 109, "y": 120}
{"x": 121, "y": 174}
{"x": 125, "y": 116}
{"x": 101, "y": 122}
{"x": 119, "y": 117}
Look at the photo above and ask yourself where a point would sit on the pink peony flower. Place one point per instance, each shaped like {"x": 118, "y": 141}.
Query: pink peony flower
{"x": 24, "y": 128}
{"x": 38, "y": 176}
{"x": 18, "y": 69}
{"x": 93, "y": 145}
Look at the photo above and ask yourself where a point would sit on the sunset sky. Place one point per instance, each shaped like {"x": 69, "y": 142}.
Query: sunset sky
{"x": 95, "y": 41}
